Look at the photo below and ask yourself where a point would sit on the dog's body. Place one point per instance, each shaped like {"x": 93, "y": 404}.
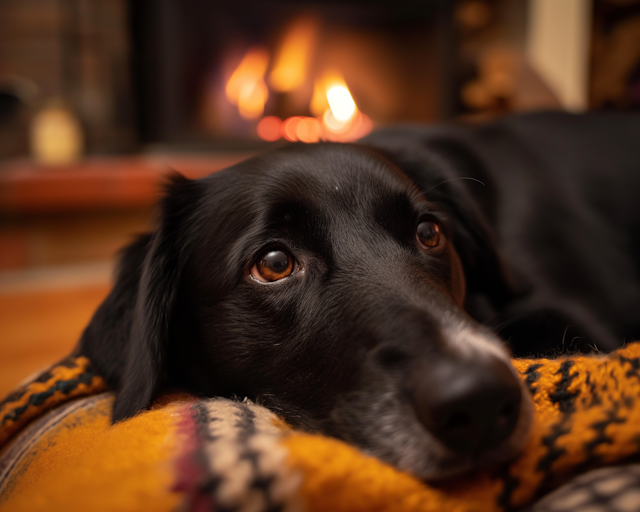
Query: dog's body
{"x": 560, "y": 194}
{"x": 344, "y": 286}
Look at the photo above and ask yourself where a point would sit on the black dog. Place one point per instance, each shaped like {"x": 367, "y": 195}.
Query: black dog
{"x": 346, "y": 286}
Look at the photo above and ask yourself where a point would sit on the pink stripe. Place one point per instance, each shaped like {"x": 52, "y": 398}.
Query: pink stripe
{"x": 191, "y": 473}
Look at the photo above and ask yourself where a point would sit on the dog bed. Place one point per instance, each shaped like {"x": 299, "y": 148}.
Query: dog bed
{"x": 59, "y": 451}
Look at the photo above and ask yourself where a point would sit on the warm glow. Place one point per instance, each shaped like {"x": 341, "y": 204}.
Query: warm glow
{"x": 335, "y": 125}
{"x": 336, "y": 116}
{"x": 289, "y": 128}
{"x": 246, "y": 87}
{"x": 333, "y": 104}
{"x": 308, "y": 130}
{"x": 318, "y": 103}
{"x": 341, "y": 103}
{"x": 252, "y": 99}
{"x": 56, "y": 135}
{"x": 290, "y": 69}
{"x": 357, "y": 127}
{"x": 332, "y": 92}
{"x": 341, "y": 119}
{"x": 269, "y": 128}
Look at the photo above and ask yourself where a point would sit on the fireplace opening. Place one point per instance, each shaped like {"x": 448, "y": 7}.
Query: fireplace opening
{"x": 246, "y": 73}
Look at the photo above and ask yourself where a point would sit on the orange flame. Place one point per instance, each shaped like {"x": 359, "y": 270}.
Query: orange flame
{"x": 337, "y": 117}
{"x": 246, "y": 88}
{"x": 290, "y": 69}
{"x": 332, "y": 101}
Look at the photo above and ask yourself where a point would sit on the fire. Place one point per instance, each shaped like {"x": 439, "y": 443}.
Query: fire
{"x": 290, "y": 69}
{"x": 269, "y": 128}
{"x": 319, "y": 102}
{"x": 337, "y": 117}
{"x": 331, "y": 93}
{"x": 246, "y": 88}
{"x": 341, "y": 103}
{"x": 341, "y": 119}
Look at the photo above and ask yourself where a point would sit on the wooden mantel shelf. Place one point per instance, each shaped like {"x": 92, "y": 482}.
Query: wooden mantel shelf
{"x": 98, "y": 182}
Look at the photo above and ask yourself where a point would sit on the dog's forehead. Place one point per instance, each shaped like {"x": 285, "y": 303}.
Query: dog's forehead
{"x": 326, "y": 171}
{"x": 317, "y": 196}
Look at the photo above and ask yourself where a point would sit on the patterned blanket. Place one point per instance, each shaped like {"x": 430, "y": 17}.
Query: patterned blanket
{"x": 59, "y": 451}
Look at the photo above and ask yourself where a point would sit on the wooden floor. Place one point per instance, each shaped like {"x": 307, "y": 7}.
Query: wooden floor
{"x": 42, "y": 317}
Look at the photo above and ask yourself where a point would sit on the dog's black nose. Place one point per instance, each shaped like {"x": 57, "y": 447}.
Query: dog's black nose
{"x": 469, "y": 406}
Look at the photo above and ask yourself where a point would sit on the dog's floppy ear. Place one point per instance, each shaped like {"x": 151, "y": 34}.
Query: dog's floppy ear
{"x": 157, "y": 290}
{"x": 127, "y": 337}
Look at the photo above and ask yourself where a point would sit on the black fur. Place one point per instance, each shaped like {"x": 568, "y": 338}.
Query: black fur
{"x": 560, "y": 195}
{"x": 540, "y": 219}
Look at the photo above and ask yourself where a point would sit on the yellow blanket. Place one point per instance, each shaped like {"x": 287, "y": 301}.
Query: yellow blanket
{"x": 59, "y": 452}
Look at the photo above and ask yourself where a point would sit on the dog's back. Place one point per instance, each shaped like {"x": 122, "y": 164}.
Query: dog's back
{"x": 560, "y": 193}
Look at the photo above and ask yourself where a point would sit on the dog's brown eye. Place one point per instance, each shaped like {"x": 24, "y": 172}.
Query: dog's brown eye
{"x": 273, "y": 265}
{"x": 428, "y": 233}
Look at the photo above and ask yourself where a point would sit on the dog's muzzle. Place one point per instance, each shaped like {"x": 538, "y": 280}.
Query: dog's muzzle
{"x": 468, "y": 406}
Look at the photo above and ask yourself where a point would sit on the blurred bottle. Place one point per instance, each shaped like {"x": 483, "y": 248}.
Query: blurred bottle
{"x": 56, "y": 135}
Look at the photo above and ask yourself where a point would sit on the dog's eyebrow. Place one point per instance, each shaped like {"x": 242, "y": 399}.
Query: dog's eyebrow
{"x": 289, "y": 214}
{"x": 397, "y": 214}
{"x": 300, "y": 221}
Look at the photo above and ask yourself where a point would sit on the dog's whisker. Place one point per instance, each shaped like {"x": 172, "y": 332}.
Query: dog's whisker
{"x": 594, "y": 347}
{"x": 576, "y": 338}
{"x": 456, "y": 179}
{"x": 564, "y": 334}
{"x": 496, "y": 329}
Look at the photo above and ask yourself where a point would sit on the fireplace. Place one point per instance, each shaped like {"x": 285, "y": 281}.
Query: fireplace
{"x": 247, "y": 73}
{"x": 206, "y": 75}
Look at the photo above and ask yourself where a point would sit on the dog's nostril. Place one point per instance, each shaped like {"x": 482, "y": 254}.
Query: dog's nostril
{"x": 391, "y": 356}
{"x": 458, "y": 421}
{"x": 506, "y": 411}
{"x": 469, "y": 407}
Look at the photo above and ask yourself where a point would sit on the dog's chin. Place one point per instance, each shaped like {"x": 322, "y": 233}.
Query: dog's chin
{"x": 446, "y": 464}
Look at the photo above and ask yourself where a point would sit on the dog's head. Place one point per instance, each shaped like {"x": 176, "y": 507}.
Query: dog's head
{"x": 323, "y": 283}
